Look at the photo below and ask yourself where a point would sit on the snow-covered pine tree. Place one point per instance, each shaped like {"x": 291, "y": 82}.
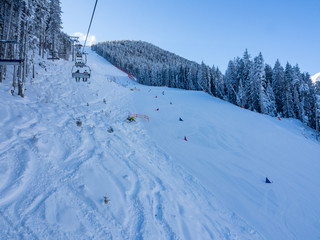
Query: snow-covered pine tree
{"x": 317, "y": 109}
{"x": 213, "y": 84}
{"x": 203, "y": 77}
{"x": 278, "y": 86}
{"x": 27, "y": 23}
{"x": 220, "y": 86}
{"x": 288, "y": 104}
{"x": 257, "y": 81}
{"x": 230, "y": 82}
{"x": 54, "y": 26}
{"x": 297, "y": 81}
{"x": 307, "y": 93}
{"x": 269, "y": 101}
{"x": 245, "y": 83}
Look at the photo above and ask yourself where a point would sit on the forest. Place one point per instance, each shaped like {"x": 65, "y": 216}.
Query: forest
{"x": 27, "y": 29}
{"x": 248, "y": 82}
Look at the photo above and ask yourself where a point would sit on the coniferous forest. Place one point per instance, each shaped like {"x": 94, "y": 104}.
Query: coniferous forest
{"x": 248, "y": 82}
{"x": 27, "y": 29}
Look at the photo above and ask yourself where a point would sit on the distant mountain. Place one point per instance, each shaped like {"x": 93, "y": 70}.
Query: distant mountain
{"x": 315, "y": 77}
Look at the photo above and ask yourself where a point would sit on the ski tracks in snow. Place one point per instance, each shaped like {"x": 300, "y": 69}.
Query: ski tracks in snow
{"x": 55, "y": 175}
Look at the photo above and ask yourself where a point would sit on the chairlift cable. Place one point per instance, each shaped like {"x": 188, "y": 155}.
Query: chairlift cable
{"x": 94, "y": 9}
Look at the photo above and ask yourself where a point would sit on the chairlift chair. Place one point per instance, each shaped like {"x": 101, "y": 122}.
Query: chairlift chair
{"x": 79, "y": 73}
{"x": 81, "y": 59}
{"x": 10, "y": 62}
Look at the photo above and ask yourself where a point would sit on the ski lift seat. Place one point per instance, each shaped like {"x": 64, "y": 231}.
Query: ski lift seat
{"x": 77, "y": 74}
{"x": 10, "y": 61}
{"x": 53, "y": 58}
{"x": 81, "y": 75}
{"x": 79, "y": 64}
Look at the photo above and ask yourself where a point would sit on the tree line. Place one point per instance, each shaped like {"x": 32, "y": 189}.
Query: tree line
{"x": 28, "y": 28}
{"x": 248, "y": 82}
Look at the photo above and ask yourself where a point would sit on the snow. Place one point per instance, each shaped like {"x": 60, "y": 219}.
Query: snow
{"x": 54, "y": 174}
{"x": 315, "y": 77}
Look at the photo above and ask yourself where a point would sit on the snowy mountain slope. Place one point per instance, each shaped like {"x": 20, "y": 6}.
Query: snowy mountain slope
{"x": 54, "y": 174}
{"x": 315, "y": 77}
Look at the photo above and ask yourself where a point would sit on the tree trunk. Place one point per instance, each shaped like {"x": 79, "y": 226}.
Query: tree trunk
{"x": 14, "y": 80}
{"x": 40, "y": 43}
{"x": 24, "y": 71}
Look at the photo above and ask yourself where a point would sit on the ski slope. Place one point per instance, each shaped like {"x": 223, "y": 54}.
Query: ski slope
{"x": 55, "y": 175}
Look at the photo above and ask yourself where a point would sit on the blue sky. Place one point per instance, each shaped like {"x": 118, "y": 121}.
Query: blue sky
{"x": 213, "y": 31}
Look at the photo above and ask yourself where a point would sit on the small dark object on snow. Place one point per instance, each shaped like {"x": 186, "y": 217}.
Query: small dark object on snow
{"x": 162, "y": 92}
{"x": 170, "y": 102}
{"x": 104, "y": 101}
{"x": 106, "y": 200}
{"x": 110, "y": 130}
{"x": 79, "y": 123}
{"x": 180, "y": 119}
{"x": 268, "y": 181}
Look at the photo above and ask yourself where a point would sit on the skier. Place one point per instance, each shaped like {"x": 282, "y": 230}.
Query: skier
{"x": 84, "y": 78}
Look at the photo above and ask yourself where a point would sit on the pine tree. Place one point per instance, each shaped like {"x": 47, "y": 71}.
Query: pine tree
{"x": 278, "y": 86}
{"x": 307, "y": 93}
{"x": 230, "y": 82}
{"x": 220, "y": 86}
{"x": 288, "y": 104}
{"x": 317, "y": 109}
{"x": 54, "y": 25}
{"x": 257, "y": 81}
{"x": 269, "y": 101}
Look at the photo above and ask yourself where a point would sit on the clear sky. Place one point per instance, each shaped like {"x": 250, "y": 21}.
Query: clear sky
{"x": 213, "y": 31}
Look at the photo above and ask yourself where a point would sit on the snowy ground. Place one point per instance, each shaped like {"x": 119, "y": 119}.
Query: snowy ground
{"x": 54, "y": 174}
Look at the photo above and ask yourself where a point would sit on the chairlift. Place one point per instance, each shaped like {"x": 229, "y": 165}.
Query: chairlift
{"x": 79, "y": 73}
{"x": 80, "y": 69}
